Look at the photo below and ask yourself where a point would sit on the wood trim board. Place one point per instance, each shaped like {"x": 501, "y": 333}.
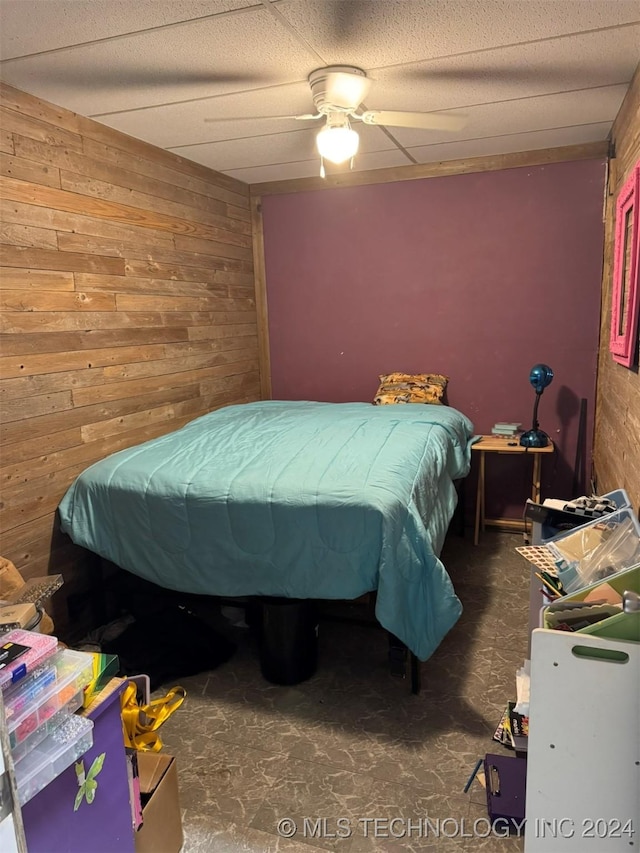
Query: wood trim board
{"x": 489, "y": 163}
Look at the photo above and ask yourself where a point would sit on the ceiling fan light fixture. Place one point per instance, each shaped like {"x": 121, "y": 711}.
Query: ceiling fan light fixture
{"x": 337, "y": 141}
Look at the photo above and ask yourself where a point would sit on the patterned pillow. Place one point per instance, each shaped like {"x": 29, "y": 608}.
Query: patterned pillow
{"x": 411, "y": 388}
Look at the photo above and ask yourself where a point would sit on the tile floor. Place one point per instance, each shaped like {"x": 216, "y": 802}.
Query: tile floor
{"x": 352, "y": 745}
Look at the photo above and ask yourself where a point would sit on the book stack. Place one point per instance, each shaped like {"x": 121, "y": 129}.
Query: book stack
{"x": 505, "y": 429}
{"x": 513, "y": 729}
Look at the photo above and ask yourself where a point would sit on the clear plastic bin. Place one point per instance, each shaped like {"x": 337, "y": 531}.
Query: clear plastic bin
{"x": 27, "y": 690}
{"x": 28, "y": 708}
{"x": 39, "y": 648}
{"x": 45, "y": 729}
{"x": 597, "y": 550}
{"x": 51, "y": 757}
{"x": 620, "y": 499}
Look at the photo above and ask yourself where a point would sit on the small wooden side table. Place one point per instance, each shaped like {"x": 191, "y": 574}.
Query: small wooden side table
{"x": 504, "y": 444}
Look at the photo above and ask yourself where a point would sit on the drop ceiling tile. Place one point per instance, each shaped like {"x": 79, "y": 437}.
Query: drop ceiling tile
{"x": 209, "y": 57}
{"x": 311, "y": 168}
{"x": 277, "y": 172}
{"x": 534, "y": 141}
{"x": 247, "y": 62}
{"x": 529, "y": 114}
{"x": 29, "y": 26}
{"x": 275, "y": 148}
{"x": 374, "y": 34}
{"x": 379, "y": 160}
{"x": 261, "y": 150}
{"x": 181, "y": 124}
{"x": 575, "y": 62}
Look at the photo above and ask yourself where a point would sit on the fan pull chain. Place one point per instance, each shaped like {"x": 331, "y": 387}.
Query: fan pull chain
{"x": 351, "y": 164}
{"x": 322, "y": 172}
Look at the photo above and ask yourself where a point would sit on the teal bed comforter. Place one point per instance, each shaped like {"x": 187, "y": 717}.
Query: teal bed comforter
{"x": 295, "y": 499}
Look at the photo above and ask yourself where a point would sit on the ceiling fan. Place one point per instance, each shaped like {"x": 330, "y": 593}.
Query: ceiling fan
{"x": 338, "y": 93}
{"x": 343, "y": 88}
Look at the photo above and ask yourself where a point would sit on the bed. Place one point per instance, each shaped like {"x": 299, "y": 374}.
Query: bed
{"x": 301, "y": 500}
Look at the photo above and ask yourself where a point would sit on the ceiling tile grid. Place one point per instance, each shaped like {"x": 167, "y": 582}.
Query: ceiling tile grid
{"x": 221, "y": 81}
{"x": 34, "y": 26}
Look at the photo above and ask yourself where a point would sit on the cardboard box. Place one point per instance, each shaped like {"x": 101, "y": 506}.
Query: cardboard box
{"x": 161, "y": 830}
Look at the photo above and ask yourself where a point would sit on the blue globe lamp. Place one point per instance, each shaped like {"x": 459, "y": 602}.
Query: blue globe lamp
{"x": 540, "y": 376}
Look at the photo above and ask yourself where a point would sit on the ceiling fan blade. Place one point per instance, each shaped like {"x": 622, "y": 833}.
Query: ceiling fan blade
{"x": 108, "y": 78}
{"x": 306, "y": 117}
{"x": 346, "y": 91}
{"x": 425, "y": 121}
{"x": 494, "y": 73}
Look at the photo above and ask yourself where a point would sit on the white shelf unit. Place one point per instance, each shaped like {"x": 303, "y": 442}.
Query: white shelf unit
{"x": 583, "y": 766}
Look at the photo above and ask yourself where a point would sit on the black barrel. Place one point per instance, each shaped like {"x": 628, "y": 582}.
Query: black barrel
{"x": 289, "y": 640}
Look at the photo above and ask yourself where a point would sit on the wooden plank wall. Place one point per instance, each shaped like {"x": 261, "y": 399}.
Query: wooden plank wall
{"x": 617, "y": 433}
{"x": 128, "y": 309}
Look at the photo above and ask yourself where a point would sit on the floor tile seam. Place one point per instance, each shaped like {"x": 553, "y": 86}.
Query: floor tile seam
{"x": 407, "y": 785}
{"x": 242, "y": 827}
{"x": 242, "y": 744}
{"x": 276, "y": 834}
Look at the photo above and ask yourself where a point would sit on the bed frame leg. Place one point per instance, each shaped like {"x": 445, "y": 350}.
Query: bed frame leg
{"x": 398, "y": 654}
{"x": 415, "y": 675}
{"x": 397, "y": 657}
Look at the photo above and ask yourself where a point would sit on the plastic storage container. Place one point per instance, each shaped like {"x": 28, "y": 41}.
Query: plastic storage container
{"x": 27, "y": 744}
{"x": 27, "y": 690}
{"x": 30, "y": 688}
{"x": 597, "y": 550}
{"x": 38, "y": 648}
{"x": 620, "y": 499}
{"x": 29, "y": 708}
{"x": 617, "y": 626}
{"x": 48, "y": 760}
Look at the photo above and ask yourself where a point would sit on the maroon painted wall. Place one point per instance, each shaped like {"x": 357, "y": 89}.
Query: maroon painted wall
{"x": 478, "y": 276}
